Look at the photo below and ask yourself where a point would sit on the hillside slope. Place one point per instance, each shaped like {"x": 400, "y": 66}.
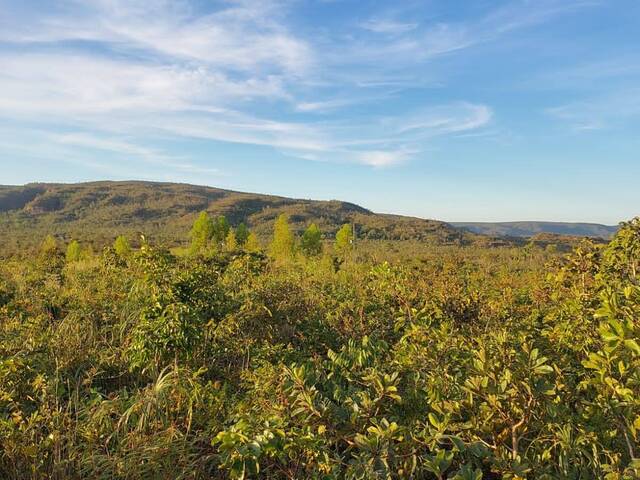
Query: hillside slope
{"x": 529, "y": 229}
{"x": 96, "y": 212}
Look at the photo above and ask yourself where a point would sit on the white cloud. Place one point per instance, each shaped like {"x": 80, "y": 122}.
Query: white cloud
{"x": 616, "y": 71}
{"x": 388, "y": 26}
{"x": 77, "y": 83}
{"x": 448, "y": 119}
{"x": 130, "y": 149}
{"x": 382, "y": 158}
{"x": 599, "y": 112}
{"x": 159, "y": 69}
{"x": 414, "y": 42}
{"x": 238, "y": 37}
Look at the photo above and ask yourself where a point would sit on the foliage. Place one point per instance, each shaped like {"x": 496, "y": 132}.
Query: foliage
{"x": 49, "y": 246}
{"x": 283, "y": 244}
{"x": 407, "y": 361}
{"x": 252, "y": 244}
{"x": 221, "y": 229}
{"x": 231, "y": 242}
{"x": 92, "y": 212}
{"x": 74, "y": 251}
{"x": 121, "y": 246}
{"x": 344, "y": 240}
{"x": 201, "y": 232}
{"x": 242, "y": 234}
{"x": 311, "y": 241}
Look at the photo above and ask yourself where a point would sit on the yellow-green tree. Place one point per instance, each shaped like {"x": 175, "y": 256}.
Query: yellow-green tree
{"x": 311, "y": 241}
{"x": 221, "y": 229}
{"x": 201, "y": 232}
{"x": 74, "y": 251}
{"x": 121, "y": 246}
{"x": 283, "y": 244}
{"x": 49, "y": 246}
{"x": 231, "y": 243}
{"x": 344, "y": 240}
{"x": 252, "y": 244}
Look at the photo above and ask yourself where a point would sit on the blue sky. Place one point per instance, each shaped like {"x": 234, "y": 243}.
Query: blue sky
{"x": 456, "y": 110}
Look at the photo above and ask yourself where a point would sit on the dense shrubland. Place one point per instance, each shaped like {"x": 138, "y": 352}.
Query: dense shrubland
{"x": 320, "y": 361}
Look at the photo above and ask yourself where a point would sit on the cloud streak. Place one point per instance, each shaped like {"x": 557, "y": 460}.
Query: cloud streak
{"x": 600, "y": 112}
{"x": 238, "y": 72}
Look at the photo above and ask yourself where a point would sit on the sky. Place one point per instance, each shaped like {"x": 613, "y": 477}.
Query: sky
{"x": 466, "y": 110}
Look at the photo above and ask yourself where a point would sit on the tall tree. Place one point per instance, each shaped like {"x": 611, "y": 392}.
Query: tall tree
{"x": 311, "y": 241}
{"x": 74, "y": 251}
{"x": 220, "y": 230}
{"x": 201, "y": 232}
{"x": 283, "y": 244}
{"x": 242, "y": 234}
{"x": 231, "y": 242}
{"x": 344, "y": 240}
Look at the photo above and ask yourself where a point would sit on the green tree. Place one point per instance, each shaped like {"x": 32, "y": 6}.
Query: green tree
{"x": 283, "y": 244}
{"x": 74, "y": 251}
{"x": 220, "y": 230}
{"x": 121, "y": 246}
{"x": 311, "y": 242}
{"x": 201, "y": 232}
{"x": 344, "y": 240}
{"x": 242, "y": 234}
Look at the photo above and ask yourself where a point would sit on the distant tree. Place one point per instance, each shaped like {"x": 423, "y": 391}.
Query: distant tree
{"x": 344, "y": 240}
{"x": 50, "y": 257}
{"x": 220, "y": 230}
{"x": 49, "y": 246}
{"x": 74, "y": 251}
{"x": 242, "y": 234}
{"x": 283, "y": 244}
{"x": 311, "y": 242}
{"x": 201, "y": 232}
{"x": 252, "y": 244}
{"x": 87, "y": 252}
{"x": 121, "y": 246}
{"x": 231, "y": 242}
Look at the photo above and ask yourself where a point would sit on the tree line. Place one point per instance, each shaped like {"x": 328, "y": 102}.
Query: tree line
{"x": 210, "y": 235}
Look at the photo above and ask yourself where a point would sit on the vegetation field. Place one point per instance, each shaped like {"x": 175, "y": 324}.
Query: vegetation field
{"x": 308, "y": 353}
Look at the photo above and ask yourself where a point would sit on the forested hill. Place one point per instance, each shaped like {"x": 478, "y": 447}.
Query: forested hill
{"x": 98, "y": 211}
{"x": 529, "y": 229}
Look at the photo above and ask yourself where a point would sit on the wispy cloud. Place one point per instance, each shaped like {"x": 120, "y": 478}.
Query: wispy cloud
{"x": 382, "y": 158}
{"x": 413, "y": 42}
{"x": 600, "y": 112}
{"x": 241, "y": 35}
{"x": 450, "y": 119}
{"x": 617, "y": 71}
{"x": 130, "y": 149}
{"x": 236, "y": 72}
{"x": 388, "y": 26}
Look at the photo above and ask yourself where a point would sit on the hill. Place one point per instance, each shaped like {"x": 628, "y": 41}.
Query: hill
{"x": 96, "y": 212}
{"x": 529, "y": 229}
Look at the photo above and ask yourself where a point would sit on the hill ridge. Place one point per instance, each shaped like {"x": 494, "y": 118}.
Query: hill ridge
{"x": 98, "y": 211}
{"x": 529, "y": 228}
